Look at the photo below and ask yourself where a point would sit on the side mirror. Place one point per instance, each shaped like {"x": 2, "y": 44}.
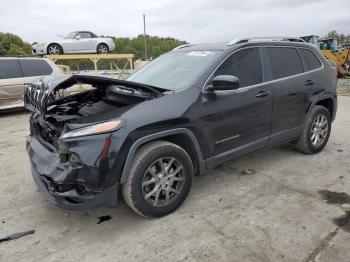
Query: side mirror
{"x": 78, "y": 37}
{"x": 223, "y": 82}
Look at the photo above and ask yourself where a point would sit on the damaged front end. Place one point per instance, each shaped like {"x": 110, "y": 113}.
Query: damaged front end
{"x": 73, "y": 142}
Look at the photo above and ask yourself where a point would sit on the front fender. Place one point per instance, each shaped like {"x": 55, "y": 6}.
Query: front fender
{"x": 138, "y": 143}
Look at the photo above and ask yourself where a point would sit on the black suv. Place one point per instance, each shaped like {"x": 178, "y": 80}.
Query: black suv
{"x": 181, "y": 115}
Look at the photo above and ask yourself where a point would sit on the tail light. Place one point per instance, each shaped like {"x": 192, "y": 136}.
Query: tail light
{"x": 333, "y": 65}
{"x": 335, "y": 70}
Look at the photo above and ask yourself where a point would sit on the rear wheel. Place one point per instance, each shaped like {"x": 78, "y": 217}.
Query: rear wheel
{"x": 54, "y": 49}
{"x": 160, "y": 179}
{"x": 102, "y": 49}
{"x": 316, "y": 131}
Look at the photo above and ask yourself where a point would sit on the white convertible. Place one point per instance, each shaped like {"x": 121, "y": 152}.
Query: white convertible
{"x": 76, "y": 42}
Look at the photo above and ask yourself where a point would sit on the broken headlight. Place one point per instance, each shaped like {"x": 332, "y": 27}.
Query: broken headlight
{"x": 99, "y": 128}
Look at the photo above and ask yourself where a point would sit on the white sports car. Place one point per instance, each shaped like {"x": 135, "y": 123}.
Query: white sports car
{"x": 76, "y": 42}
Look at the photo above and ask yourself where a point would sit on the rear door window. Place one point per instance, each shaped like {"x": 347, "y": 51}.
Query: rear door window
{"x": 312, "y": 62}
{"x": 35, "y": 67}
{"x": 9, "y": 68}
{"x": 244, "y": 64}
{"x": 285, "y": 61}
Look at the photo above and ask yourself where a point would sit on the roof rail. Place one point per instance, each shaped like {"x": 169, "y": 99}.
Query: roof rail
{"x": 265, "y": 39}
{"x": 181, "y": 46}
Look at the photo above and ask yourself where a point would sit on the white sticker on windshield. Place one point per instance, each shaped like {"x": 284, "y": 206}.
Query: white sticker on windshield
{"x": 200, "y": 53}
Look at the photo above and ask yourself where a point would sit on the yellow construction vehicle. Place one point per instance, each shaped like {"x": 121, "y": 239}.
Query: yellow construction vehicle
{"x": 333, "y": 51}
{"x": 339, "y": 54}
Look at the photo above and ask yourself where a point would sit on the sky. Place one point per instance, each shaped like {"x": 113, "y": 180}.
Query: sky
{"x": 194, "y": 21}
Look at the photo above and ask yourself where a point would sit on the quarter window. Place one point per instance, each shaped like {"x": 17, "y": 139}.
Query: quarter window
{"x": 9, "y": 68}
{"x": 244, "y": 64}
{"x": 285, "y": 61}
{"x": 312, "y": 62}
{"x": 35, "y": 67}
{"x": 93, "y": 35}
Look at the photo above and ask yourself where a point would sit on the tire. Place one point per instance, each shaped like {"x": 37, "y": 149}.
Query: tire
{"x": 137, "y": 191}
{"x": 306, "y": 142}
{"x": 102, "y": 49}
{"x": 54, "y": 49}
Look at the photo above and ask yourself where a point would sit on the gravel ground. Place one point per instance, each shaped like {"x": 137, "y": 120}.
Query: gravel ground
{"x": 344, "y": 83}
{"x": 272, "y": 205}
{"x": 344, "y": 86}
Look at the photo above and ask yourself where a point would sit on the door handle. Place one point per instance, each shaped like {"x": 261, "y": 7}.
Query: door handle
{"x": 309, "y": 82}
{"x": 263, "y": 93}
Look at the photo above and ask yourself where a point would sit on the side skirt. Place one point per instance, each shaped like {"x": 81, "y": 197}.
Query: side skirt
{"x": 285, "y": 136}
{"x": 281, "y": 137}
{"x": 216, "y": 160}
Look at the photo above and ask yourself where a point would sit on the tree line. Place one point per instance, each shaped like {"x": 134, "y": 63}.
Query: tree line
{"x": 13, "y": 45}
{"x": 342, "y": 38}
{"x": 155, "y": 45}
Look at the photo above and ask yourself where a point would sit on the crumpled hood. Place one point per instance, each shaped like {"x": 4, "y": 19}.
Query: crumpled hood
{"x": 41, "y": 91}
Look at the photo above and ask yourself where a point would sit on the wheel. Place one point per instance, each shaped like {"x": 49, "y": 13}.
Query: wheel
{"x": 102, "y": 49}
{"x": 54, "y": 49}
{"x": 316, "y": 131}
{"x": 160, "y": 179}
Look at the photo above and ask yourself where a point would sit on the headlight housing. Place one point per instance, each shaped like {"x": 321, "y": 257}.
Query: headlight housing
{"x": 95, "y": 129}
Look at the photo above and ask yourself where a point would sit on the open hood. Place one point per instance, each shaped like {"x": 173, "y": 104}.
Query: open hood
{"x": 62, "y": 103}
{"x": 42, "y": 92}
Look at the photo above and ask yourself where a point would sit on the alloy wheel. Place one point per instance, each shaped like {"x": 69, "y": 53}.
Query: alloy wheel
{"x": 319, "y": 130}
{"x": 163, "y": 182}
{"x": 54, "y": 49}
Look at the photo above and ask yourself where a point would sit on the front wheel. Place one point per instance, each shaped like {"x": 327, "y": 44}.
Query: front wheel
{"x": 54, "y": 49}
{"x": 159, "y": 180}
{"x": 316, "y": 131}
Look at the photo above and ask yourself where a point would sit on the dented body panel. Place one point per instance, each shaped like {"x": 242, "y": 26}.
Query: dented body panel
{"x": 74, "y": 172}
{"x": 82, "y": 178}
{"x": 87, "y": 170}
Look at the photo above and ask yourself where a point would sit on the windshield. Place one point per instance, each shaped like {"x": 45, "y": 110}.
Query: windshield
{"x": 71, "y": 35}
{"x": 174, "y": 71}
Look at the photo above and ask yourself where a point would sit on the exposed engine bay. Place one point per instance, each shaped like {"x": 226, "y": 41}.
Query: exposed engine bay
{"x": 56, "y": 108}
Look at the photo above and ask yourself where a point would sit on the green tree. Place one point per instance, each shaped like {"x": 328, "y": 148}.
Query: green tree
{"x": 13, "y": 45}
{"x": 155, "y": 45}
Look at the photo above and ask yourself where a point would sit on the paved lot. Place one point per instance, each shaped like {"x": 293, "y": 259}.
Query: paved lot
{"x": 276, "y": 214}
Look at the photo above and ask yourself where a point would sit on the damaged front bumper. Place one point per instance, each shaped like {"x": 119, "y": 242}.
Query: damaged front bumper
{"x": 75, "y": 142}
{"x": 107, "y": 198}
{"x": 75, "y": 177}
